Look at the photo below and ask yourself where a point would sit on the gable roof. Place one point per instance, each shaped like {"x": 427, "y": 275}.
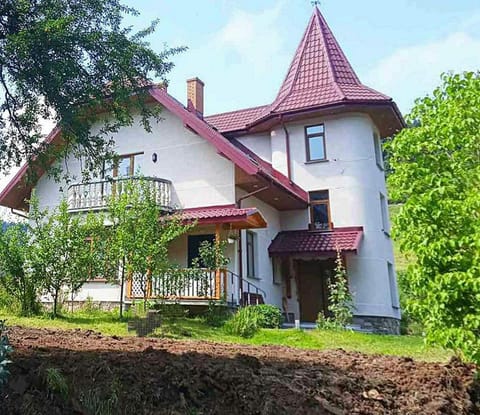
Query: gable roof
{"x": 319, "y": 76}
{"x": 19, "y": 188}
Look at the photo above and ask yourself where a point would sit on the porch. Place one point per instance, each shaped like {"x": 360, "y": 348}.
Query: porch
{"x": 196, "y": 287}
{"x": 187, "y": 284}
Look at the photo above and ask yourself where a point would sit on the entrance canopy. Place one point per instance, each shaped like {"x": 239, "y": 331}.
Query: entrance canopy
{"x": 229, "y": 215}
{"x": 316, "y": 243}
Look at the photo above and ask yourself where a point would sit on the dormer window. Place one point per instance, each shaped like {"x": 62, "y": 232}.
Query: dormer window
{"x": 315, "y": 143}
{"x": 320, "y": 210}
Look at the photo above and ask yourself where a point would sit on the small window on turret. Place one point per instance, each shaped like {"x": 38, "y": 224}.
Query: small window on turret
{"x": 315, "y": 142}
{"x": 378, "y": 150}
{"x": 320, "y": 210}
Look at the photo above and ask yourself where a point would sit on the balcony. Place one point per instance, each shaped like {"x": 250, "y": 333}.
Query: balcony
{"x": 96, "y": 194}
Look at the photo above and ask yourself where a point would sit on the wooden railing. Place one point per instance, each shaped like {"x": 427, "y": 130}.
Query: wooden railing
{"x": 95, "y": 194}
{"x": 183, "y": 284}
{"x": 196, "y": 285}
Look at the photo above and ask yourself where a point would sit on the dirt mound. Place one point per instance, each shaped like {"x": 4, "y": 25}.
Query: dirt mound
{"x": 113, "y": 375}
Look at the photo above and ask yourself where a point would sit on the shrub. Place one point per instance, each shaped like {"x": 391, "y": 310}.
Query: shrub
{"x": 216, "y": 314}
{"x": 244, "y": 323}
{"x": 5, "y": 350}
{"x": 269, "y": 316}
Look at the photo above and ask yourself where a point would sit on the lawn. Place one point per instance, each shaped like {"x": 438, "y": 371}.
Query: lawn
{"x": 196, "y": 329}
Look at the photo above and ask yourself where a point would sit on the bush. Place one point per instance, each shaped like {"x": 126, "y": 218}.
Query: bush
{"x": 5, "y": 350}
{"x": 244, "y": 323}
{"x": 216, "y": 315}
{"x": 269, "y": 316}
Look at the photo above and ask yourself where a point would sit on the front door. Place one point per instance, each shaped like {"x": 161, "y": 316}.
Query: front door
{"x": 313, "y": 287}
{"x": 194, "y": 242}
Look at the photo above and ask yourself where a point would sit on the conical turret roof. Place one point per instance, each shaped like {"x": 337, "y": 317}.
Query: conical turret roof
{"x": 319, "y": 78}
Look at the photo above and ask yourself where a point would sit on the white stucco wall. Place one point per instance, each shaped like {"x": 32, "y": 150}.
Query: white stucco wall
{"x": 199, "y": 175}
{"x": 259, "y": 143}
{"x": 354, "y": 182}
{"x": 264, "y": 269}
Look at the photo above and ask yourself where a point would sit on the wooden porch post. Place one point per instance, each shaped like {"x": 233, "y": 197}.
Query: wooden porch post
{"x": 217, "y": 269}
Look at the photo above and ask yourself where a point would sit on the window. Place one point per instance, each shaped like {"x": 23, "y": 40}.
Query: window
{"x": 378, "y": 150}
{"x": 194, "y": 242}
{"x": 393, "y": 286}
{"x": 124, "y": 166}
{"x": 277, "y": 265}
{"x": 251, "y": 254}
{"x": 384, "y": 212}
{"x": 315, "y": 142}
{"x": 320, "y": 210}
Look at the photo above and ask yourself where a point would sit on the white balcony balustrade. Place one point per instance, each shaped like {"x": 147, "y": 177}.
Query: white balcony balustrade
{"x": 96, "y": 194}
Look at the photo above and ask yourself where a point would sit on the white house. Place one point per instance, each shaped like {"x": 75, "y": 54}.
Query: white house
{"x": 294, "y": 181}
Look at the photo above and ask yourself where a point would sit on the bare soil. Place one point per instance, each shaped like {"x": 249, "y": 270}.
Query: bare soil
{"x": 114, "y": 375}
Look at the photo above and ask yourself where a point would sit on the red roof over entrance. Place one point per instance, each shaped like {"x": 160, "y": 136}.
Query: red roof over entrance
{"x": 316, "y": 243}
{"x": 229, "y": 214}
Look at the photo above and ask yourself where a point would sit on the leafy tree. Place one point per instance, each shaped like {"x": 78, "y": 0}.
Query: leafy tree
{"x": 59, "y": 60}
{"x": 15, "y": 275}
{"x": 140, "y": 236}
{"x": 436, "y": 170}
{"x": 62, "y": 254}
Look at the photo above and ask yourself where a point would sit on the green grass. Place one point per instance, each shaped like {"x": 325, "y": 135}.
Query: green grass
{"x": 196, "y": 329}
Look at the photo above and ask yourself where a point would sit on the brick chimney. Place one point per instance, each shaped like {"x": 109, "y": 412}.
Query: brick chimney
{"x": 195, "y": 96}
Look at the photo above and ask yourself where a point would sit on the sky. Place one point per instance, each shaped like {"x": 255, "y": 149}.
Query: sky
{"x": 242, "y": 49}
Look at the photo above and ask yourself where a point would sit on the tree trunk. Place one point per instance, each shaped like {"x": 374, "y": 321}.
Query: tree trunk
{"x": 55, "y": 300}
{"x": 122, "y": 282}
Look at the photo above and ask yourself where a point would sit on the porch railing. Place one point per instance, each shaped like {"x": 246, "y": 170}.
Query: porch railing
{"x": 95, "y": 195}
{"x": 197, "y": 285}
{"x": 182, "y": 284}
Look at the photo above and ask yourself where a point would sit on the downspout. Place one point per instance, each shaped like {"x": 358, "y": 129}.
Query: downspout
{"x": 287, "y": 147}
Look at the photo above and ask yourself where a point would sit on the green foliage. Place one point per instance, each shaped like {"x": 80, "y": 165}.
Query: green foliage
{"x": 216, "y": 314}
{"x": 269, "y": 316}
{"x": 244, "y": 323}
{"x": 436, "y": 171}
{"x": 138, "y": 240}
{"x": 5, "y": 351}
{"x": 60, "y": 60}
{"x": 340, "y": 301}
{"x": 62, "y": 254}
{"x": 56, "y": 382}
{"x": 97, "y": 402}
{"x": 211, "y": 255}
{"x": 16, "y": 277}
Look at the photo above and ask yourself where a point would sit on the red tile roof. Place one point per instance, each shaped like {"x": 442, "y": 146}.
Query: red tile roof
{"x": 315, "y": 243}
{"x": 17, "y": 190}
{"x": 235, "y": 120}
{"x": 320, "y": 75}
{"x": 223, "y": 214}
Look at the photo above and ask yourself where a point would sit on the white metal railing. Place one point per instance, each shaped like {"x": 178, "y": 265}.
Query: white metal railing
{"x": 95, "y": 194}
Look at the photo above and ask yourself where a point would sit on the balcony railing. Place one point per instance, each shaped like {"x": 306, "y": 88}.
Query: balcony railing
{"x": 95, "y": 195}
